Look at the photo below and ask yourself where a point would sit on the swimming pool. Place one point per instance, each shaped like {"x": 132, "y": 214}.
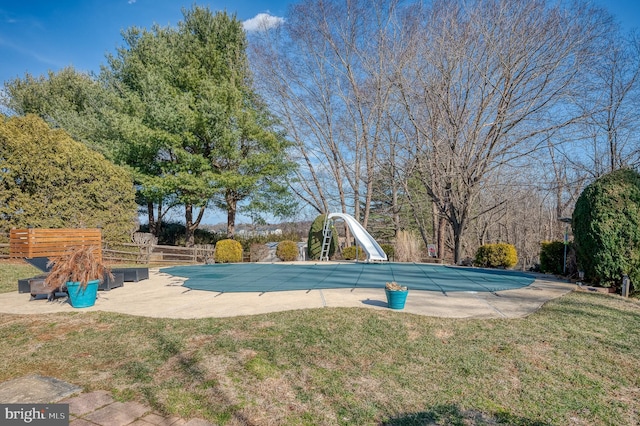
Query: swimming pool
{"x": 268, "y": 277}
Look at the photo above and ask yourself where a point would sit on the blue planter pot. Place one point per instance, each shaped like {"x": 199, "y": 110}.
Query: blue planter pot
{"x": 83, "y": 298}
{"x": 396, "y": 298}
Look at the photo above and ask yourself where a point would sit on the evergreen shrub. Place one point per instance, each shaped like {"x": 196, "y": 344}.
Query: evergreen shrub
{"x": 228, "y": 251}
{"x": 287, "y": 251}
{"x": 314, "y": 244}
{"x": 349, "y": 253}
{"x": 606, "y": 229}
{"x": 552, "y": 257}
{"x": 389, "y": 250}
{"x": 49, "y": 180}
{"x": 499, "y": 255}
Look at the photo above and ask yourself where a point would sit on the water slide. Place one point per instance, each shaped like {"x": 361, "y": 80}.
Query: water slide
{"x": 364, "y": 239}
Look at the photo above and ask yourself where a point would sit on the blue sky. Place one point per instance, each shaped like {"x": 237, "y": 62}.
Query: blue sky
{"x": 41, "y": 35}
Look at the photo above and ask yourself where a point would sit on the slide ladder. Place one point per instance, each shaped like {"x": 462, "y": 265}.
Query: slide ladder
{"x": 326, "y": 239}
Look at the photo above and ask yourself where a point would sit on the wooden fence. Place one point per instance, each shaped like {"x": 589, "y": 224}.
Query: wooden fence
{"x": 156, "y": 254}
{"x": 37, "y": 242}
{"x": 34, "y": 242}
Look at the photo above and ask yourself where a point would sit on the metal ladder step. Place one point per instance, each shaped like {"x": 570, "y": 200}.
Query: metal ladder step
{"x": 326, "y": 239}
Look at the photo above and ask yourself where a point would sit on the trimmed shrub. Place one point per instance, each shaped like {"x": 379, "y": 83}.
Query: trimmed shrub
{"x": 349, "y": 253}
{"x": 287, "y": 251}
{"x": 606, "y": 229}
{"x": 314, "y": 244}
{"x": 228, "y": 251}
{"x": 499, "y": 255}
{"x": 552, "y": 257}
{"x": 248, "y": 241}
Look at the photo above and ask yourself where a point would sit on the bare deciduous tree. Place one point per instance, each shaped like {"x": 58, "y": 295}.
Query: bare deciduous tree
{"x": 489, "y": 80}
{"x": 611, "y": 105}
{"x": 326, "y": 74}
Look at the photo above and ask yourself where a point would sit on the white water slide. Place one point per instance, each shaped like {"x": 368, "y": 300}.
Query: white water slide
{"x": 364, "y": 239}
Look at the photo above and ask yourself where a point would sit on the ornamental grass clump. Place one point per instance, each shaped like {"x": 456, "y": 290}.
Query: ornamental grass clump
{"x": 394, "y": 286}
{"x": 407, "y": 247}
{"x": 77, "y": 264}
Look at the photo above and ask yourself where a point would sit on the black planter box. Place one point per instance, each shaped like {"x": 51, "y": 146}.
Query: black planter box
{"x": 108, "y": 283}
{"x": 133, "y": 274}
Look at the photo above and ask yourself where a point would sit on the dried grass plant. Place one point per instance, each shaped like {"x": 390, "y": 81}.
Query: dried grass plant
{"x": 407, "y": 247}
{"x": 77, "y": 264}
{"x": 394, "y": 286}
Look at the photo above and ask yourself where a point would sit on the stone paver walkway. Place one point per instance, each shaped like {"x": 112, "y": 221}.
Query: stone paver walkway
{"x": 99, "y": 408}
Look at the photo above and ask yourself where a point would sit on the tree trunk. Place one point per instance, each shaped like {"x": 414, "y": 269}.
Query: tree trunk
{"x": 191, "y": 225}
{"x": 442, "y": 223}
{"x": 457, "y": 243}
{"x": 158, "y": 226}
{"x": 232, "y": 208}
{"x": 152, "y": 219}
{"x": 189, "y": 231}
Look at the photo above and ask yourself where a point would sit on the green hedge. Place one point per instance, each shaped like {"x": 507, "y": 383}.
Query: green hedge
{"x": 606, "y": 229}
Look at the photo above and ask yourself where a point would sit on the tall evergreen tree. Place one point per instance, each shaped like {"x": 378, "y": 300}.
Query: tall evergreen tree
{"x": 195, "y": 129}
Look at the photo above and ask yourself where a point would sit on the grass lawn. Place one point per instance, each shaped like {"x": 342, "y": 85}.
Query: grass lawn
{"x": 12, "y": 270}
{"x": 576, "y": 361}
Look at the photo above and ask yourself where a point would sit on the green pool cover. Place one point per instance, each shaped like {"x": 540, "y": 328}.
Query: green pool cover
{"x": 259, "y": 277}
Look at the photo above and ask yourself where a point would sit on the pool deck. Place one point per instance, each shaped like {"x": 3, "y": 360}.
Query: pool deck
{"x": 164, "y": 296}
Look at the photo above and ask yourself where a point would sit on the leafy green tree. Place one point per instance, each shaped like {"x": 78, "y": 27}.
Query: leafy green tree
{"x": 197, "y": 130}
{"x": 87, "y": 109}
{"x": 177, "y": 106}
{"x": 48, "y": 180}
{"x": 68, "y": 99}
{"x": 606, "y": 228}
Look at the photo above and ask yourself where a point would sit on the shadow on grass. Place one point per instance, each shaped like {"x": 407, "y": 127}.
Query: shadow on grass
{"x": 453, "y": 415}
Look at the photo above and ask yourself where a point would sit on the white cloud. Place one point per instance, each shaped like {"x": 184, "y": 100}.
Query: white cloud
{"x": 131, "y": 1}
{"x": 262, "y": 22}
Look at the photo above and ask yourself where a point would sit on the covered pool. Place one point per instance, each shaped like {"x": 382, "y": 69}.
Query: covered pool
{"x": 263, "y": 277}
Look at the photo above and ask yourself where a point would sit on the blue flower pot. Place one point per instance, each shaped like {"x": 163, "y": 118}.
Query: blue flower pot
{"x": 396, "y": 298}
{"x": 83, "y": 298}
